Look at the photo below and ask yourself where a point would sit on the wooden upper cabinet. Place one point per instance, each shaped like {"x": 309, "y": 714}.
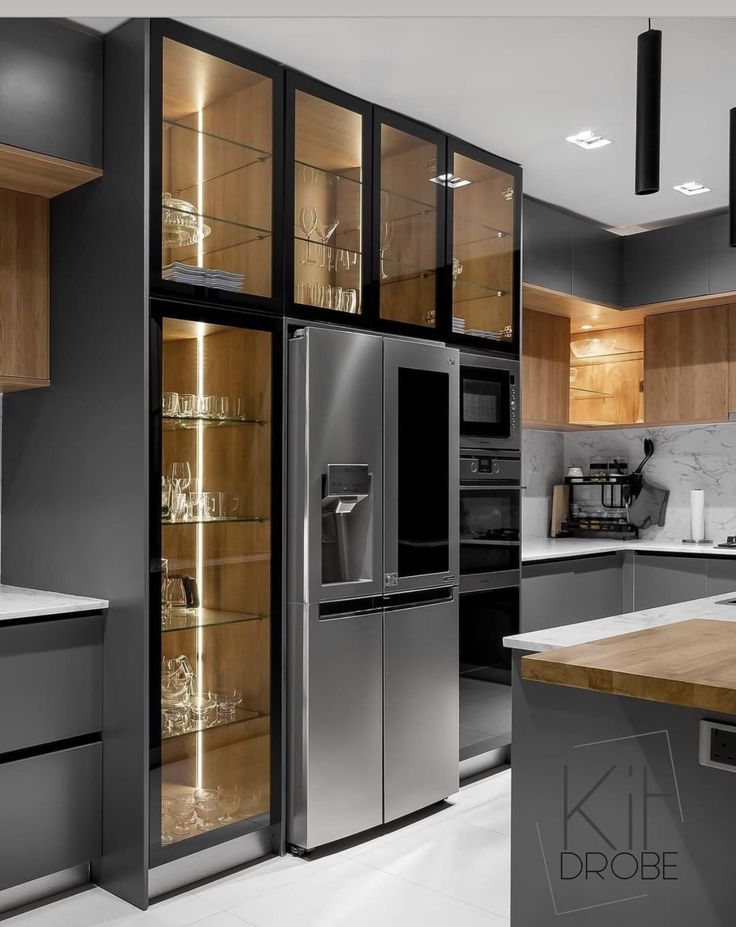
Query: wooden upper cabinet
{"x": 546, "y": 368}
{"x": 24, "y": 291}
{"x": 686, "y": 366}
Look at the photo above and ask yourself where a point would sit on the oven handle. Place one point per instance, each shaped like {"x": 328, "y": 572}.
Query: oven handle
{"x": 489, "y": 485}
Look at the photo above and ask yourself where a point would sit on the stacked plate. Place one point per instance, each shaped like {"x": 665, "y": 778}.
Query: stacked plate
{"x": 203, "y": 276}
{"x": 458, "y": 325}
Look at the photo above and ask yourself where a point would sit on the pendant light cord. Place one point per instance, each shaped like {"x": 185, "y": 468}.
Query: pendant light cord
{"x": 650, "y": 23}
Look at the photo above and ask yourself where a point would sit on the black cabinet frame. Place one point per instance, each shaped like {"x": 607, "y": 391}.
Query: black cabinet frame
{"x": 420, "y": 130}
{"x": 457, "y": 146}
{"x": 262, "y": 321}
{"x": 295, "y": 81}
{"x": 168, "y": 29}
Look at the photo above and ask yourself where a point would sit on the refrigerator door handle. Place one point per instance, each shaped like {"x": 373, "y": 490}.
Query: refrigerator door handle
{"x": 419, "y": 599}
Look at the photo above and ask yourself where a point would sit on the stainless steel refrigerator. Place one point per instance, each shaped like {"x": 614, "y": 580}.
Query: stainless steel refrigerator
{"x": 372, "y": 637}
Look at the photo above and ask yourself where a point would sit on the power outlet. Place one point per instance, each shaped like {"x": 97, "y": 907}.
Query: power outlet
{"x": 718, "y": 745}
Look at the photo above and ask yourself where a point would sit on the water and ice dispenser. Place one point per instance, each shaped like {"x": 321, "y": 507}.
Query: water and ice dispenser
{"x": 346, "y": 523}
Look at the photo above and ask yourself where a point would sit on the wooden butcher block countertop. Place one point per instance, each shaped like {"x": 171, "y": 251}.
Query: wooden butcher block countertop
{"x": 690, "y": 663}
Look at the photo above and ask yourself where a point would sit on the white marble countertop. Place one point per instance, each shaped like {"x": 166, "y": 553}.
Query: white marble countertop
{"x": 536, "y": 549}
{"x": 586, "y": 631}
{"x": 16, "y": 602}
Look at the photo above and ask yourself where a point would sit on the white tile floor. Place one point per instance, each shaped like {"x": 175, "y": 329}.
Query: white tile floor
{"x": 450, "y": 868}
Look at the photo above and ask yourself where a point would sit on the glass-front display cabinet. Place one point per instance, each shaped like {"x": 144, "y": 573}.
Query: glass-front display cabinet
{"x": 483, "y": 246}
{"x": 409, "y": 221}
{"x": 212, "y": 742}
{"x": 328, "y": 199}
{"x": 220, "y": 170}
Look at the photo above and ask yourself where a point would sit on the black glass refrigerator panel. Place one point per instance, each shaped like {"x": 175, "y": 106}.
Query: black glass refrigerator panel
{"x": 423, "y": 472}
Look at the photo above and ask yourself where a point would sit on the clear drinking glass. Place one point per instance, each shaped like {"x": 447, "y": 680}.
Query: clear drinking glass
{"x": 165, "y": 497}
{"x": 167, "y": 821}
{"x": 171, "y": 404}
{"x": 183, "y": 814}
{"x": 187, "y": 405}
{"x": 308, "y": 217}
{"x": 227, "y": 700}
{"x": 179, "y": 506}
{"x": 181, "y": 475}
{"x": 207, "y": 807}
{"x": 230, "y": 799}
{"x": 202, "y": 709}
{"x": 223, "y": 407}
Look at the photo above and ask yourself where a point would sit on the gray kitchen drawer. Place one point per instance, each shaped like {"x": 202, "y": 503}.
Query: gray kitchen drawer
{"x": 664, "y": 579}
{"x": 722, "y": 576}
{"x": 50, "y": 681}
{"x": 50, "y": 808}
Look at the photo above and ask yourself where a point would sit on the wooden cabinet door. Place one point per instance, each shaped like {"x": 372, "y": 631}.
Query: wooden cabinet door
{"x": 546, "y": 368}
{"x": 686, "y": 369}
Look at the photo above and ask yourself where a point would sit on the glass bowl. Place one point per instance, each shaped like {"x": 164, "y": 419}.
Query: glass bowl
{"x": 227, "y": 700}
{"x": 180, "y": 224}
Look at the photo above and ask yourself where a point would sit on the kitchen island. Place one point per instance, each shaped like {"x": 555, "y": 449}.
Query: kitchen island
{"x": 614, "y": 819}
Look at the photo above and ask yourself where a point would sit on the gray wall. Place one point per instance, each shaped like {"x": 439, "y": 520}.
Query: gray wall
{"x": 542, "y": 462}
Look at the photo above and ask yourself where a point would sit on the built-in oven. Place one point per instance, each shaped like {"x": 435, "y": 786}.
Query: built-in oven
{"x": 490, "y": 515}
{"x": 490, "y": 403}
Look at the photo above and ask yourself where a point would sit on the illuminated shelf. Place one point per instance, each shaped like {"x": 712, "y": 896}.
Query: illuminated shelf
{"x": 182, "y": 422}
{"x": 180, "y": 619}
{"x": 235, "y": 519}
{"x": 239, "y": 716}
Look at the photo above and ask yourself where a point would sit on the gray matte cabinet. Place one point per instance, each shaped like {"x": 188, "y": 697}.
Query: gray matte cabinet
{"x": 722, "y": 576}
{"x": 50, "y": 807}
{"x": 547, "y": 253}
{"x": 722, "y": 258}
{"x": 559, "y": 592}
{"x": 596, "y": 263}
{"x": 667, "y": 263}
{"x": 664, "y": 579}
{"x": 50, "y": 681}
{"x": 51, "y": 75}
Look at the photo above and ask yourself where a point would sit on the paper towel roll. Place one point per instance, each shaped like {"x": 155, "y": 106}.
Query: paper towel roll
{"x": 697, "y": 514}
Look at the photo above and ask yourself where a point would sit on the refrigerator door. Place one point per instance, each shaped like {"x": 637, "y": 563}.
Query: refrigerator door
{"x": 335, "y": 726}
{"x": 421, "y": 462}
{"x": 421, "y": 703}
{"x": 335, "y": 430}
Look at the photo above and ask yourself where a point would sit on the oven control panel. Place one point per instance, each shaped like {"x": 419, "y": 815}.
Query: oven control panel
{"x": 491, "y": 467}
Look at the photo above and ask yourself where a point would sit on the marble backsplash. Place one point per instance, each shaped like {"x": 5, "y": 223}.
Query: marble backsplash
{"x": 686, "y": 457}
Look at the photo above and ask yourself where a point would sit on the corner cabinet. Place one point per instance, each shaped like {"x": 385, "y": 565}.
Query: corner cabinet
{"x": 483, "y": 249}
{"x": 327, "y": 203}
{"x": 217, "y": 162}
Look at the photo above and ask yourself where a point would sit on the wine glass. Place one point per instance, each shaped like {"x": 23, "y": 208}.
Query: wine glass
{"x": 326, "y": 229}
{"x": 230, "y": 799}
{"x": 387, "y": 236}
{"x": 308, "y": 217}
{"x": 181, "y": 475}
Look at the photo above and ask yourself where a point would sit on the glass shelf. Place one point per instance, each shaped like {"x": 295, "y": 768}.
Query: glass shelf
{"x": 225, "y": 233}
{"x": 239, "y": 716}
{"x": 417, "y": 207}
{"x": 250, "y": 154}
{"x": 316, "y": 243}
{"x": 235, "y": 519}
{"x": 577, "y": 392}
{"x": 327, "y": 173}
{"x": 465, "y": 290}
{"x": 470, "y": 231}
{"x": 481, "y": 542}
{"x": 178, "y": 422}
{"x": 179, "y": 619}
{"x": 413, "y": 271}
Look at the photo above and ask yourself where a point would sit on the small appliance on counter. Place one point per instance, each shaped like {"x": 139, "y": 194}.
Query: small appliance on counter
{"x": 609, "y": 502}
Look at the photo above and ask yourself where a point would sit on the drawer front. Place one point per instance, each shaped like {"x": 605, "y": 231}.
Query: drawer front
{"x": 50, "y": 681}
{"x": 50, "y": 808}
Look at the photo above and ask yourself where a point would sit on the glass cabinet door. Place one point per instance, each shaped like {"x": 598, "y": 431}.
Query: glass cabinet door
{"x": 215, "y": 579}
{"x": 409, "y": 206}
{"x": 329, "y": 197}
{"x": 218, "y": 163}
{"x": 483, "y": 244}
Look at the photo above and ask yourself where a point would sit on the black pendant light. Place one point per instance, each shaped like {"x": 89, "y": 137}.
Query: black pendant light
{"x": 648, "y": 106}
{"x": 732, "y": 180}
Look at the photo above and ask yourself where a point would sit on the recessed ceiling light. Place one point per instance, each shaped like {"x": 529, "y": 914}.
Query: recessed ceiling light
{"x": 691, "y": 188}
{"x": 588, "y": 139}
{"x": 450, "y": 180}
{"x": 585, "y": 328}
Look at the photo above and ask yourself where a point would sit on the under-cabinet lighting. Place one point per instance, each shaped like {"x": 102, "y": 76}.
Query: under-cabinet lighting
{"x": 691, "y": 188}
{"x": 450, "y": 180}
{"x": 585, "y": 328}
{"x": 588, "y": 139}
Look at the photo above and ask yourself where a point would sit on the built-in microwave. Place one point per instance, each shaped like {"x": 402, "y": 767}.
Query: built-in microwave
{"x": 490, "y": 403}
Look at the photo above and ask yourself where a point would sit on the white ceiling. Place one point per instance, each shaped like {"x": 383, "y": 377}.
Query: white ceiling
{"x": 519, "y": 86}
